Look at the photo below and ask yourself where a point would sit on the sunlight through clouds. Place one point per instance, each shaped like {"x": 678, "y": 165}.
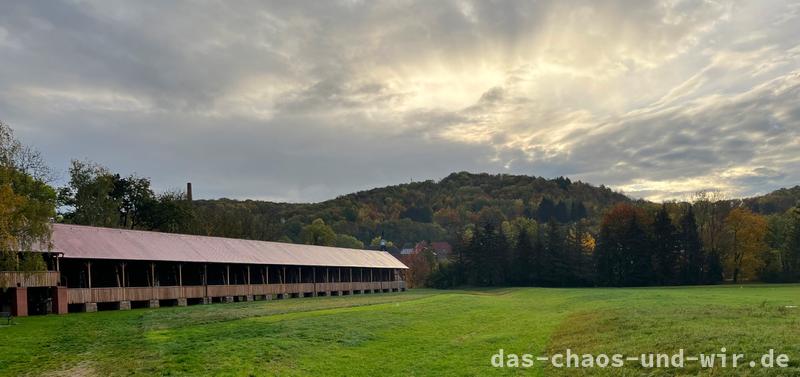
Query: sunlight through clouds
{"x": 306, "y": 101}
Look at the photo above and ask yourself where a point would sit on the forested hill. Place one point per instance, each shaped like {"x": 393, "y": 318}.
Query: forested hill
{"x": 775, "y": 202}
{"x": 411, "y": 212}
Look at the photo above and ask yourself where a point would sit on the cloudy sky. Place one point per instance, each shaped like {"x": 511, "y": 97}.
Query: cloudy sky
{"x": 306, "y": 100}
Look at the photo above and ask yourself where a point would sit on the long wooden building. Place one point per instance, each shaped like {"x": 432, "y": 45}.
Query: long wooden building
{"x": 94, "y": 268}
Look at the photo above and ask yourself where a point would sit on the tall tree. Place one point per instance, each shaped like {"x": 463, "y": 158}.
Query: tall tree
{"x": 665, "y": 248}
{"x": 134, "y": 196}
{"x": 578, "y": 211}
{"x": 89, "y": 196}
{"x": 556, "y": 264}
{"x": 561, "y": 212}
{"x": 745, "y": 231}
{"x": 545, "y": 211}
{"x": 791, "y": 248}
{"x": 22, "y": 158}
{"x": 692, "y": 259}
{"x": 623, "y": 249}
{"x": 711, "y": 209}
{"x": 522, "y": 267}
{"x": 27, "y": 204}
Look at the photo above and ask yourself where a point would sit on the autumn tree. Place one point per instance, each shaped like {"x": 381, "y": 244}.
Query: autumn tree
{"x": 27, "y": 205}
{"x": 745, "y": 244}
{"x": 710, "y": 208}
{"x": 623, "y": 256}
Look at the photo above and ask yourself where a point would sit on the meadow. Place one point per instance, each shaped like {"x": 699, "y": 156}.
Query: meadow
{"x": 414, "y": 333}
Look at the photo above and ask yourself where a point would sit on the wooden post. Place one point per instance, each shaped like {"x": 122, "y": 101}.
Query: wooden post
{"x": 283, "y": 278}
{"x": 180, "y": 274}
{"x": 248, "y": 274}
{"x": 124, "y": 280}
{"x": 89, "y": 272}
{"x": 351, "y": 274}
{"x": 153, "y": 274}
{"x": 299, "y": 274}
{"x": 227, "y": 274}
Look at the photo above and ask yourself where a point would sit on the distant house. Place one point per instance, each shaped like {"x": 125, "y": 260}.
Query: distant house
{"x": 442, "y": 250}
{"x": 409, "y": 251}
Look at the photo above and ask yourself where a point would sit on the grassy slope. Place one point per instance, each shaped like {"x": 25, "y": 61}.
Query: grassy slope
{"x": 414, "y": 333}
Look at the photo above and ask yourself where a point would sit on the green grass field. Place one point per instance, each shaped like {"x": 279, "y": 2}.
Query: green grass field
{"x": 416, "y": 333}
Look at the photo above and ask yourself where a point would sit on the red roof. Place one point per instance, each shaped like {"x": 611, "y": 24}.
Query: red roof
{"x": 86, "y": 242}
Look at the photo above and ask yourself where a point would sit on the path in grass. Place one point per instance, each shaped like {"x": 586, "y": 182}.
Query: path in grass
{"x": 421, "y": 332}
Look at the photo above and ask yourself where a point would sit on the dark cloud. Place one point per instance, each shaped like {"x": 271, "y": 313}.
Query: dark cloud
{"x": 308, "y": 100}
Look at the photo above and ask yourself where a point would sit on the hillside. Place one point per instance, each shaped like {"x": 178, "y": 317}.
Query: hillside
{"x": 777, "y": 201}
{"x": 411, "y": 212}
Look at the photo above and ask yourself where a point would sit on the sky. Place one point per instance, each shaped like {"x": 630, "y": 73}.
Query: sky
{"x": 306, "y": 100}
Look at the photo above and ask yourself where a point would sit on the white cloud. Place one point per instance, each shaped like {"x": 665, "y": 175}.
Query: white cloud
{"x": 305, "y": 101}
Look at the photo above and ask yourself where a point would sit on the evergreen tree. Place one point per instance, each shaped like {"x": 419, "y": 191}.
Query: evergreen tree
{"x": 545, "y": 211}
{"x": 691, "y": 251}
{"x": 665, "y": 248}
{"x": 574, "y": 255}
{"x": 638, "y": 250}
{"x": 494, "y": 249}
{"x": 523, "y": 258}
{"x": 792, "y": 246}
{"x": 605, "y": 258}
{"x": 537, "y": 260}
{"x": 556, "y": 267}
{"x": 561, "y": 213}
{"x": 578, "y": 211}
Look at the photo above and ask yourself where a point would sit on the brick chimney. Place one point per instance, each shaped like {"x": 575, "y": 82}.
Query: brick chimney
{"x": 189, "y": 191}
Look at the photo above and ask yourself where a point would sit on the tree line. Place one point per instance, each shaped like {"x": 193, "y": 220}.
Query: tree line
{"x": 506, "y": 230}
{"x": 706, "y": 242}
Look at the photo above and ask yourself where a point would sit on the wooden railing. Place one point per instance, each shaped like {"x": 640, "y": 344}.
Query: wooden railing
{"x": 29, "y": 279}
{"x": 86, "y": 295}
